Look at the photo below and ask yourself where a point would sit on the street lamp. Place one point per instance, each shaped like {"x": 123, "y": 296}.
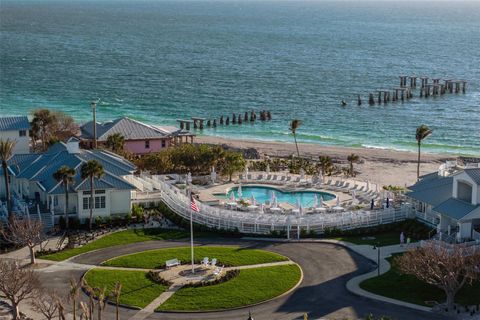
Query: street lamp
{"x": 93, "y": 105}
{"x": 376, "y": 246}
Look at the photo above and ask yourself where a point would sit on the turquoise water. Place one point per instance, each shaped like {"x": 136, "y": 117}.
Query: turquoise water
{"x": 158, "y": 61}
{"x": 263, "y": 194}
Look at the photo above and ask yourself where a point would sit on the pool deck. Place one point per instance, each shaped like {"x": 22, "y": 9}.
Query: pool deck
{"x": 208, "y": 195}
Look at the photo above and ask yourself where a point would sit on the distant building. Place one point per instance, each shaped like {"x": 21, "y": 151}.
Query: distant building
{"x": 450, "y": 200}
{"x": 16, "y": 129}
{"x": 140, "y": 138}
{"x": 32, "y": 182}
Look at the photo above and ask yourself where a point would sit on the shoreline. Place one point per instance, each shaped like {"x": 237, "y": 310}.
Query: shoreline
{"x": 383, "y": 166}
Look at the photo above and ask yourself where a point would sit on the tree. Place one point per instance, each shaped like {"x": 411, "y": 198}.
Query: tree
{"x": 101, "y": 295}
{"x": 325, "y": 163}
{"x": 231, "y": 163}
{"x": 422, "y": 132}
{"x": 353, "y": 158}
{"x": 65, "y": 176}
{"x": 116, "y": 292}
{"x": 44, "y": 125}
{"x": 115, "y": 142}
{"x": 47, "y": 303}
{"x": 294, "y": 125}
{"x": 446, "y": 267}
{"x": 17, "y": 284}
{"x": 65, "y": 126}
{"x": 6, "y": 151}
{"x": 73, "y": 295}
{"x": 24, "y": 232}
{"x": 90, "y": 170}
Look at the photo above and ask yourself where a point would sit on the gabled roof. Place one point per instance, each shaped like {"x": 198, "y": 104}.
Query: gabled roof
{"x": 455, "y": 208}
{"x": 474, "y": 174}
{"x": 433, "y": 190}
{"x": 130, "y": 129}
{"x": 41, "y": 167}
{"x": 14, "y": 123}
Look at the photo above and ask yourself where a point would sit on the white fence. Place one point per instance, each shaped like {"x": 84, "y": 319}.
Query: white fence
{"x": 258, "y": 223}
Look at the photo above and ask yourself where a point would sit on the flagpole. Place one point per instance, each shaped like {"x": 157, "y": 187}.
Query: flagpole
{"x": 191, "y": 228}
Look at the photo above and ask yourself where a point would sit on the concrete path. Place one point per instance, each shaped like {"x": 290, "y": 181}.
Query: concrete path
{"x": 148, "y": 310}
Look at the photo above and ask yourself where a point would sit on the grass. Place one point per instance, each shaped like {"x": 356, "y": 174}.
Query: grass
{"x": 137, "y": 289}
{"x": 118, "y": 238}
{"x": 408, "y": 288}
{"x": 249, "y": 287}
{"x": 385, "y": 239}
{"x": 229, "y": 256}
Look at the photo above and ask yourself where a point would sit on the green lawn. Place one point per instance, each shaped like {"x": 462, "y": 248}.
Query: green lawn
{"x": 385, "y": 239}
{"x": 119, "y": 238}
{"x": 229, "y": 256}
{"x": 249, "y": 287}
{"x": 398, "y": 286}
{"x": 137, "y": 289}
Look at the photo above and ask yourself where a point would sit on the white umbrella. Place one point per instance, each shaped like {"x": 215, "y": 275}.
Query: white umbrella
{"x": 268, "y": 168}
{"x": 302, "y": 174}
{"x": 261, "y": 209}
{"x": 299, "y": 204}
{"x": 232, "y": 196}
{"x": 321, "y": 201}
{"x": 246, "y": 171}
{"x": 275, "y": 203}
{"x": 239, "y": 191}
{"x": 254, "y": 201}
{"x": 320, "y": 177}
{"x": 338, "y": 201}
{"x": 315, "y": 201}
{"x": 272, "y": 197}
{"x": 300, "y": 210}
{"x": 189, "y": 178}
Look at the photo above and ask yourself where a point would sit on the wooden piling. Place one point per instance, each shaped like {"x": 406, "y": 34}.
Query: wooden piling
{"x": 209, "y": 123}
{"x": 252, "y": 116}
{"x": 234, "y": 118}
{"x": 424, "y": 81}
{"x": 239, "y": 118}
{"x": 379, "y": 97}
{"x": 246, "y": 116}
{"x": 227, "y": 122}
{"x": 464, "y": 86}
{"x": 214, "y": 124}
{"x": 269, "y": 115}
{"x": 359, "y": 100}
{"x": 221, "y": 120}
{"x": 371, "y": 100}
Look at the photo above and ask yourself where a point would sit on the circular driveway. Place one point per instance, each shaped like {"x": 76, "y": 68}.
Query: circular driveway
{"x": 322, "y": 293}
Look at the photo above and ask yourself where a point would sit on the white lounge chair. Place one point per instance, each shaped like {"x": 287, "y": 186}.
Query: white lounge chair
{"x": 213, "y": 263}
{"x": 205, "y": 261}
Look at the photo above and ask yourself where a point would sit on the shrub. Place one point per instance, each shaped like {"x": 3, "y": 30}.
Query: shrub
{"x": 230, "y": 274}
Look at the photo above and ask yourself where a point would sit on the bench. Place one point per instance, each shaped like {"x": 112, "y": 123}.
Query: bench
{"x": 172, "y": 263}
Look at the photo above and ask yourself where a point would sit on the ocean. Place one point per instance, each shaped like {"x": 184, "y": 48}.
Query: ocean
{"x": 158, "y": 61}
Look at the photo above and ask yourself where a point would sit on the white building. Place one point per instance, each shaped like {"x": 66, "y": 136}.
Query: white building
{"x": 32, "y": 181}
{"x": 16, "y": 129}
{"x": 452, "y": 200}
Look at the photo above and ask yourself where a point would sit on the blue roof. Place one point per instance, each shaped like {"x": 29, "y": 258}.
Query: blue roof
{"x": 474, "y": 174}
{"x": 41, "y": 167}
{"x": 14, "y": 123}
{"x": 455, "y": 208}
{"x": 433, "y": 190}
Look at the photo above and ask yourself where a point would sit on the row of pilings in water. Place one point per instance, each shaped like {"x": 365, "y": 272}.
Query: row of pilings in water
{"x": 247, "y": 117}
{"x": 405, "y": 92}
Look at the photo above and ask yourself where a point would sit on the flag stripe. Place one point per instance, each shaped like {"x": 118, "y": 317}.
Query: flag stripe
{"x": 193, "y": 205}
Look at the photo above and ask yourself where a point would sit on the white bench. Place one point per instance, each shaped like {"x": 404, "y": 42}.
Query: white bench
{"x": 172, "y": 263}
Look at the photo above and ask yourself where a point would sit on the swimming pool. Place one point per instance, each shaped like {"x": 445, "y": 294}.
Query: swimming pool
{"x": 263, "y": 194}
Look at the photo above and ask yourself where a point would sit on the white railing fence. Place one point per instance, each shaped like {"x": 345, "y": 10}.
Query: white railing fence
{"x": 257, "y": 223}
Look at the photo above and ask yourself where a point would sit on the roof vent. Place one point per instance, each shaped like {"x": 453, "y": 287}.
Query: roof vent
{"x": 73, "y": 145}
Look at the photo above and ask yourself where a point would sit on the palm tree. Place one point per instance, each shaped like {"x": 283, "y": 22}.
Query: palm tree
{"x": 73, "y": 295}
{"x": 92, "y": 169}
{"x": 294, "y": 125}
{"x": 351, "y": 159}
{"x": 65, "y": 175}
{"x": 6, "y": 150}
{"x": 116, "y": 292}
{"x": 325, "y": 163}
{"x": 115, "y": 142}
{"x": 422, "y": 132}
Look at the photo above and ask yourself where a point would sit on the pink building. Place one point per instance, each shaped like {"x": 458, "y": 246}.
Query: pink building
{"x": 140, "y": 138}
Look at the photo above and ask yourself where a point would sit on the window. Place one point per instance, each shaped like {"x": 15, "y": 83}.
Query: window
{"x": 22, "y": 133}
{"x": 86, "y": 192}
{"x": 100, "y": 202}
{"x": 147, "y": 144}
{"x": 164, "y": 143}
{"x": 86, "y": 203}
{"x": 99, "y": 191}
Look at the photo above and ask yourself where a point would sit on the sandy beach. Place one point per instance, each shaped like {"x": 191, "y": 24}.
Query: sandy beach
{"x": 386, "y": 167}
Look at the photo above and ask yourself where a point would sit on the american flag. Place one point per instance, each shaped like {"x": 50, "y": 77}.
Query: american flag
{"x": 193, "y": 204}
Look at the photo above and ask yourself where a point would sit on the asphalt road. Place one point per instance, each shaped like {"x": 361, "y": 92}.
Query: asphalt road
{"x": 322, "y": 293}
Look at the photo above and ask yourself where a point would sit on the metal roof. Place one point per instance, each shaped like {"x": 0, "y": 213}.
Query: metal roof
{"x": 433, "y": 191}
{"x": 41, "y": 167}
{"x": 130, "y": 129}
{"x": 455, "y": 208}
{"x": 14, "y": 123}
{"x": 474, "y": 174}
